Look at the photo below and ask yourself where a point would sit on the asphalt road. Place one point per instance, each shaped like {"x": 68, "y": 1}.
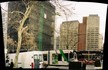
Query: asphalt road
{"x": 88, "y": 67}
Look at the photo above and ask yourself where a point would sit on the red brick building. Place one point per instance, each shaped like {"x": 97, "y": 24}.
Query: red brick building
{"x": 82, "y": 35}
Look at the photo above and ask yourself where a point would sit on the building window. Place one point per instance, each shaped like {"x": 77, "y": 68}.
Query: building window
{"x": 66, "y": 54}
{"x": 45, "y": 57}
{"x": 59, "y": 57}
{"x": 45, "y": 16}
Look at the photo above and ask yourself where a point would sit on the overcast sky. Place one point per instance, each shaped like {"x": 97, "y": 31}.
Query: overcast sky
{"x": 82, "y": 9}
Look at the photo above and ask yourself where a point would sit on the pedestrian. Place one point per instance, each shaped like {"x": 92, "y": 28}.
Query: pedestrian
{"x": 97, "y": 62}
{"x": 11, "y": 64}
{"x": 71, "y": 54}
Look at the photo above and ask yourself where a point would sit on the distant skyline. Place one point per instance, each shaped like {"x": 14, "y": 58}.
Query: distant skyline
{"x": 83, "y": 9}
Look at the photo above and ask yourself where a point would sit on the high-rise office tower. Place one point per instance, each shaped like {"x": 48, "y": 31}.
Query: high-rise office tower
{"x": 69, "y": 35}
{"x": 92, "y": 32}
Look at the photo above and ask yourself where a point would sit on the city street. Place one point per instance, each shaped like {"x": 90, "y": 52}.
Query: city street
{"x": 45, "y": 33}
{"x": 88, "y": 67}
{"x": 65, "y": 67}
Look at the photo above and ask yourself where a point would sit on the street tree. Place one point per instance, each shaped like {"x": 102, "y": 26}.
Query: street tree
{"x": 17, "y": 19}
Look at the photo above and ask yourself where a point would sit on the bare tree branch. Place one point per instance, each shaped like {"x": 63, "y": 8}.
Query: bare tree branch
{"x": 13, "y": 11}
{"x": 24, "y": 28}
{"x": 3, "y": 9}
{"x": 16, "y": 12}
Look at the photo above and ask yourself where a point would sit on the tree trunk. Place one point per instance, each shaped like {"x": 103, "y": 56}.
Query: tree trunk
{"x": 21, "y": 29}
{"x": 18, "y": 48}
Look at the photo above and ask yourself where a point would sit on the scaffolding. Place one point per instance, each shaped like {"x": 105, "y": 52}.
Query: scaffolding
{"x": 41, "y": 21}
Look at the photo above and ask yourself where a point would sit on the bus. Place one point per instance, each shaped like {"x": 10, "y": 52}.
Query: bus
{"x": 37, "y": 59}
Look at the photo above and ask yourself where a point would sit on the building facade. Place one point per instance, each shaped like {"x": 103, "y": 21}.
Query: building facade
{"x": 57, "y": 42}
{"x": 92, "y": 32}
{"x": 100, "y": 42}
{"x": 69, "y": 35}
{"x": 40, "y": 25}
{"x": 82, "y": 35}
{"x": 44, "y": 30}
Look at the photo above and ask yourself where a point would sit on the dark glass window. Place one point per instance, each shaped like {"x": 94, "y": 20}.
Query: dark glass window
{"x": 66, "y": 54}
{"x": 59, "y": 57}
{"x": 45, "y": 57}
